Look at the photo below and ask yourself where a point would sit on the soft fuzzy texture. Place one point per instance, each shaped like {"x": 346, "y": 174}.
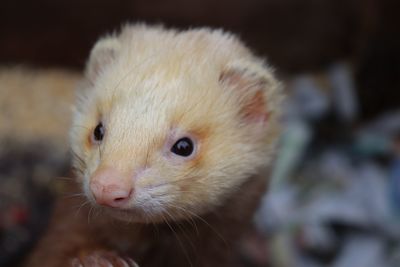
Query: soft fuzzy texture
{"x": 150, "y": 86}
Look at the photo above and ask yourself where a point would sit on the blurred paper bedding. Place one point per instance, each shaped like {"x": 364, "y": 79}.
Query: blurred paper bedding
{"x": 34, "y": 120}
{"x": 334, "y": 195}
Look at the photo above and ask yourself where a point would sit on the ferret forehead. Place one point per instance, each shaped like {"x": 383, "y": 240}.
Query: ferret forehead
{"x": 162, "y": 82}
{"x": 160, "y": 97}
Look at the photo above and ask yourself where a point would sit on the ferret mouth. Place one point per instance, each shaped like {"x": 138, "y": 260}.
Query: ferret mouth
{"x": 146, "y": 214}
{"x": 139, "y": 214}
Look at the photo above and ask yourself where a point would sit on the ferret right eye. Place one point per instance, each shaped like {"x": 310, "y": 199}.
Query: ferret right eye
{"x": 98, "y": 132}
{"x": 183, "y": 147}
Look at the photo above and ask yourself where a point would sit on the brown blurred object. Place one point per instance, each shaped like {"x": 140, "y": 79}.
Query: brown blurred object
{"x": 28, "y": 111}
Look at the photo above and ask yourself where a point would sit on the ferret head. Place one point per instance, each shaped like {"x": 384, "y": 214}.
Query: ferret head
{"x": 172, "y": 123}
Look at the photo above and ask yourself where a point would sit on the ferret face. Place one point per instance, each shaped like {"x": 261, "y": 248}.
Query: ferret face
{"x": 171, "y": 125}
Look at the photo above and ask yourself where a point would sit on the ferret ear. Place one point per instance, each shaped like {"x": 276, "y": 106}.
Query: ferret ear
{"x": 252, "y": 84}
{"x": 102, "y": 54}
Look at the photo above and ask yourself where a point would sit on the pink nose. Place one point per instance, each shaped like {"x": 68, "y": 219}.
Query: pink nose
{"x": 111, "y": 188}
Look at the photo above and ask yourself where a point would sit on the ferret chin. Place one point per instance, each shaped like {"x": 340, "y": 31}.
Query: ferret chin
{"x": 170, "y": 135}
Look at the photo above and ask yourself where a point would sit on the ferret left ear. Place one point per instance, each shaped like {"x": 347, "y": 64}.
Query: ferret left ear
{"x": 102, "y": 54}
{"x": 252, "y": 84}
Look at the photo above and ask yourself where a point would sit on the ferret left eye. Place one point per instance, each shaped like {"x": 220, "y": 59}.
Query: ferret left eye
{"x": 98, "y": 132}
{"x": 183, "y": 147}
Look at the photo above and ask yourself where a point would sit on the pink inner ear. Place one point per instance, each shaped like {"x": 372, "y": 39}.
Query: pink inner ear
{"x": 254, "y": 106}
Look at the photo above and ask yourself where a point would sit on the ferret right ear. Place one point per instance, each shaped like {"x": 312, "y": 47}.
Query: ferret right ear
{"x": 102, "y": 54}
{"x": 255, "y": 89}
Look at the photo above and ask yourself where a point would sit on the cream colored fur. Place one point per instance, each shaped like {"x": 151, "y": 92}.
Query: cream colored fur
{"x": 149, "y": 86}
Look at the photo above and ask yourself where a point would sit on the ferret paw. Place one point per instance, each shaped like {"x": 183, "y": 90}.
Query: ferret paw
{"x": 102, "y": 258}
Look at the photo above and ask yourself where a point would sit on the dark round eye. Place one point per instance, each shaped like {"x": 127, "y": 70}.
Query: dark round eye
{"x": 98, "y": 132}
{"x": 183, "y": 147}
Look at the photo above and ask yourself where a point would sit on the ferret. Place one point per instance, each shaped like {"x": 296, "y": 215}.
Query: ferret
{"x": 170, "y": 137}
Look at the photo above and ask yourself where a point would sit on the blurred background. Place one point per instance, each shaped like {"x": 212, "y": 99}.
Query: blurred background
{"x": 334, "y": 196}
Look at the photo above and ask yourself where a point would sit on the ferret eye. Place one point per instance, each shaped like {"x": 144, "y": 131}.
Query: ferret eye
{"x": 98, "y": 132}
{"x": 183, "y": 147}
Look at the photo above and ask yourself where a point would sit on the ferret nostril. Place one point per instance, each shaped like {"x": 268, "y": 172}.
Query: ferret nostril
{"x": 122, "y": 197}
